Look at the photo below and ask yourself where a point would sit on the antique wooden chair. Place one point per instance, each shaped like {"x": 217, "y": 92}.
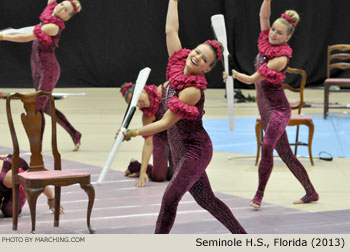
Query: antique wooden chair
{"x": 37, "y": 177}
{"x": 296, "y": 119}
{"x": 338, "y": 58}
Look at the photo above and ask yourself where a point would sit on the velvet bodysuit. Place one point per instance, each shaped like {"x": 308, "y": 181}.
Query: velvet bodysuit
{"x": 191, "y": 150}
{"x": 46, "y": 69}
{"x": 162, "y": 167}
{"x": 275, "y": 114}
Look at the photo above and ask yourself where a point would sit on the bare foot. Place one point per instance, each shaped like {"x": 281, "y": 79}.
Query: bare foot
{"x": 256, "y": 206}
{"x": 51, "y": 204}
{"x": 76, "y": 147}
{"x": 307, "y": 199}
{"x": 127, "y": 172}
{"x": 134, "y": 175}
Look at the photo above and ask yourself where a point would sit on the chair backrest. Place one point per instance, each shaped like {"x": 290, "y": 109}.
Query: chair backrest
{"x": 33, "y": 124}
{"x": 338, "y": 57}
{"x": 302, "y": 77}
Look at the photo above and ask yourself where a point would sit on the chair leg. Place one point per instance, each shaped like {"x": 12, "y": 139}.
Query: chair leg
{"x": 311, "y": 135}
{"x": 32, "y": 196}
{"x": 258, "y": 140}
{"x": 326, "y": 100}
{"x": 15, "y": 193}
{"x": 90, "y": 191}
{"x": 296, "y": 141}
{"x": 57, "y": 206}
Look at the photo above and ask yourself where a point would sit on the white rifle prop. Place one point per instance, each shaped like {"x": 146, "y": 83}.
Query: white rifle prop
{"x": 59, "y": 96}
{"x": 68, "y": 94}
{"x": 140, "y": 83}
{"x": 218, "y": 24}
{"x": 12, "y": 31}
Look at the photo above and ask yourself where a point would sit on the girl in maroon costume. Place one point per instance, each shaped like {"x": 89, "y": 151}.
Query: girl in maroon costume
{"x": 45, "y": 67}
{"x": 190, "y": 144}
{"x": 271, "y": 64}
{"x": 6, "y": 185}
{"x": 152, "y": 104}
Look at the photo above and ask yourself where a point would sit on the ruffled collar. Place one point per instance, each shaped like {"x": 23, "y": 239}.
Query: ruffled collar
{"x": 46, "y": 16}
{"x": 271, "y": 51}
{"x": 154, "y": 98}
{"x": 175, "y": 72}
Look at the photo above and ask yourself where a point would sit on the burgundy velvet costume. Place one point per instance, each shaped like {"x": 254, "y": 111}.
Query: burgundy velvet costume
{"x": 191, "y": 150}
{"x": 159, "y": 171}
{"x": 5, "y": 192}
{"x": 275, "y": 114}
{"x": 46, "y": 69}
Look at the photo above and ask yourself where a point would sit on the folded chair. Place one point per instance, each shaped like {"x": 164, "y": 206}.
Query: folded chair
{"x": 38, "y": 176}
{"x": 296, "y": 119}
{"x": 338, "y": 58}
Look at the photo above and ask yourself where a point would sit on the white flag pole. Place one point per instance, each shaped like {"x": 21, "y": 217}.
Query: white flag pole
{"x": 218, "y": 24}
{"x": 140, "y": 83}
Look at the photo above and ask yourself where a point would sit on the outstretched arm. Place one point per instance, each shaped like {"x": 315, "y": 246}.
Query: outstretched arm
{"x": 172, "y": 28}
{"x": 265, "y": 13}
{"x": 18, "y": 37}
{"x": 189, "y": 96}
{"x": 276, "y": 64}
{"x": 147, "y": 151}
{"x": 49, "y": 29}
{"x": 247, "y": 79}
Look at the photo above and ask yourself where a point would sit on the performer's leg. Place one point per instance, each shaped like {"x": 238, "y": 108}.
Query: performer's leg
{"x": 294, "y": 165}
{"x": 188, "y": 171}
{"x": 42, "y": 101}
{"x": 171, "y": 167}
{"x": 274, "y": 130}
{"x": 45, "y": 73}
{"x": 160, "y": 157}
{"x": 43, "y": 79}
{"x": 6, "y": 206}
{"x": 204, "y": 196}
{"x": 63, "y": 121}
{"x": 158, "y": 171}
{"x": 1, "y": 198}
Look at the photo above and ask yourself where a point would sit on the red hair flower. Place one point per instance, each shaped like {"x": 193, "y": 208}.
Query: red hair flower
{"x": 217, "y": 48}
{"x": 289, "y": 19}
{"x": 76, "y": 10}
{"x": 125, "y": 88}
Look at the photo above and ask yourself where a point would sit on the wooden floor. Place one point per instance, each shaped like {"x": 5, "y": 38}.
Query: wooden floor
{"x": 121, "y": 208}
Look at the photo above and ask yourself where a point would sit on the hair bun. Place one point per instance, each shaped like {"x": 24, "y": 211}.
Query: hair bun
{"x": 294, "y": 16}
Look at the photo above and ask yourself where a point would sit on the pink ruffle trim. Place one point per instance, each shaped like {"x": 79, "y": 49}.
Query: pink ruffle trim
{"x": 46, "y": 16}
{"x": 271, "y": 51}
{"x": 175, "y": 72}
{"x": 155, "y": 100}
{"x": 42, "y": 36}
{"x": 182, "y": 109}
{"x": 271, "y": 75}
